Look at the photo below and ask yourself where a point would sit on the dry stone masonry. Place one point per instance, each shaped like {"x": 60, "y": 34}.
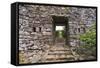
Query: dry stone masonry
{"x": 36, "y": 32}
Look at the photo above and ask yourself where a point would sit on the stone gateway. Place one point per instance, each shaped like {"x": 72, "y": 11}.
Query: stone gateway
{"x": 51, "y": 33}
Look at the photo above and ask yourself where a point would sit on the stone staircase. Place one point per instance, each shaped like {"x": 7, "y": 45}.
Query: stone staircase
{"x": 59, "y": 53}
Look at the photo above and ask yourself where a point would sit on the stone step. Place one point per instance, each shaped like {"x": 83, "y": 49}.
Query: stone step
{"x": 46, "y": 61}
{"x": 60, "y": 49}
{"x": 60, "y": 40}
{"x": 56, "y": 58}
{"x": 60, "y": 44}
{"x": 57, "y": 55}
{"x": 60, "y": 52}
{"x": 53, "y": 59}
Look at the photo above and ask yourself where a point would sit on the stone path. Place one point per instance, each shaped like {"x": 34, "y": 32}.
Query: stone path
{"x": 59, "y": 53}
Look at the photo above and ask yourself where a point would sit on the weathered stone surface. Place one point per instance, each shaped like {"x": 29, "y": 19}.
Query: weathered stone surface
{"x": 35, "y": 31}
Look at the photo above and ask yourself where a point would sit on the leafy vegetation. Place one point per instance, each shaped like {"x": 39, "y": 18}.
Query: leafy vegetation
{"x": 89, "y": 40}
{"x": 60, "y": 34}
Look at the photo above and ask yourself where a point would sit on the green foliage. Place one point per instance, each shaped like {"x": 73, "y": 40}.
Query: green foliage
{"x": 89, "y": 38}
{"x": 60, "y": 34}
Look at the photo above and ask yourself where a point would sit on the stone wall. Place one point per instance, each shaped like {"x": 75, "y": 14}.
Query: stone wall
{"x": 35, "y": 27}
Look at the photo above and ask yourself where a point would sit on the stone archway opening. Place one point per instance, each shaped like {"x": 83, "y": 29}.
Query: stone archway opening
{"x": 60, "y": 30}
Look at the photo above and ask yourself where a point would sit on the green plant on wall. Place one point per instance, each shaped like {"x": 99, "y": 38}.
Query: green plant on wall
{"x": 89, "y": 38}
